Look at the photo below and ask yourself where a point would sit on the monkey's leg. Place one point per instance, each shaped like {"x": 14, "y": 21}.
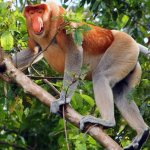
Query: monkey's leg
{"x": 73, "y": 64}
{"x": 104, "y": 97}
{"x": 116, "y": 63}
{"x": 130, "y": 111}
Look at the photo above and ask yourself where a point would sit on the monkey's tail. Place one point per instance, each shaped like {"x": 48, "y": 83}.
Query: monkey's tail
{"x": 144, "y": 50}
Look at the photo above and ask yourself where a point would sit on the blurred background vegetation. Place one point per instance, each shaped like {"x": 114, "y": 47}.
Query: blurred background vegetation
{"x": 27, "y": 124}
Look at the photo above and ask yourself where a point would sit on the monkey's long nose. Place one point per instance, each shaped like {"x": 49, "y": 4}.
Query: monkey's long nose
{"x": 37, "y": 25}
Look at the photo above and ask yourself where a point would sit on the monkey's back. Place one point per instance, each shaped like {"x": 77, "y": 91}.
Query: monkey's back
{"x": 97, "y": 40}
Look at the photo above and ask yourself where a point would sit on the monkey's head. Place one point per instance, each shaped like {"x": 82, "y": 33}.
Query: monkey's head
{"x": 38, "y": 19}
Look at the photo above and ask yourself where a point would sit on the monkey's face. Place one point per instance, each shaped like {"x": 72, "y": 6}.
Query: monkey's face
{"x": 38, "y": 19}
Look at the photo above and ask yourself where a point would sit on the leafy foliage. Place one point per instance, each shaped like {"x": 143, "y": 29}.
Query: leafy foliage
{"x": 7, "y": 40}
{"x": 12, "y": 27}
{"x": 24, "y": 122}
{"x": 79, "y": 30}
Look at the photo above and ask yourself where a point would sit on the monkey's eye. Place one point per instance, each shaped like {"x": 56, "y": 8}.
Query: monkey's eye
{"x": 31, "y": 12}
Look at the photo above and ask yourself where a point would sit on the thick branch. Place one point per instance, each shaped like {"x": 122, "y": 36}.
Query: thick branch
{"x": 71, "y": 115}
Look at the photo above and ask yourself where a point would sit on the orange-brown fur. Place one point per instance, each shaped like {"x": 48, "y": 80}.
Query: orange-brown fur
{"x": 98, "y": 45}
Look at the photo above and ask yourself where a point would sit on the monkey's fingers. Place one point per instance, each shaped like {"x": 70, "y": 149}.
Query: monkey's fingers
{"x": 93, "y": 120}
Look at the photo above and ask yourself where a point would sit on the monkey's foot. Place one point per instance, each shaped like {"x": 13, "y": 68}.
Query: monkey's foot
{"x": 97, "y": 121}
{"x": 138, "y": 141}
{"x": 55, "y": 106}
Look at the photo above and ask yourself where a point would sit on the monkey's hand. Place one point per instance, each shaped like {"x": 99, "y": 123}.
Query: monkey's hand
{"x": 97, "y": 121}
{"x": 55, "y": 106}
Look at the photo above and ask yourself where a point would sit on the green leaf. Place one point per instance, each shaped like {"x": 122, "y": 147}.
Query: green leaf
{"x": 88, "y": 99}
{"x": 85, "y": 27}
{"x": 78, "y": 37}
{"x": 80, "y": 146}
{"x": 73, "y": 17}
{"x": 124, "y": 20}
{"x": 22, "y": 140}
{"x": 26, "y": 112}
{"x": 7, "y": 41}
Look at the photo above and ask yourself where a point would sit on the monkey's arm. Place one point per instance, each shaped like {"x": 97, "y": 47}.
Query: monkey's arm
{"x": 73, "y": 63}
{"x": 23, "y": 58}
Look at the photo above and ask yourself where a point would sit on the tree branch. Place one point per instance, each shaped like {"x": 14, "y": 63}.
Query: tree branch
{"x": 70, "y": 114}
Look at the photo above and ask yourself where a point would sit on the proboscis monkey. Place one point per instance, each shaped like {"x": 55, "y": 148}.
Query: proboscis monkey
{"x": 112, "y": 57}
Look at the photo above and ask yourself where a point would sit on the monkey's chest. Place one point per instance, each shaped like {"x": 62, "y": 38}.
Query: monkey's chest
{"x": 55, "y": 58}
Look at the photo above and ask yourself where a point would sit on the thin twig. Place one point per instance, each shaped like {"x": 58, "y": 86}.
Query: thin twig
{"x": 46, "y": 81}
{"x": 92, "y": 126}
{"x": 45, "y": 77}
{"x": 65, "y": 128}
{"x": 51, "y": 85}
{"x": 59, "y": 132}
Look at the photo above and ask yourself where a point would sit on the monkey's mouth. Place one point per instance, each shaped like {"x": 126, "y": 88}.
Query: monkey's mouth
{"x": 40, "y": 31}
{"x": 38, "y": 26}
